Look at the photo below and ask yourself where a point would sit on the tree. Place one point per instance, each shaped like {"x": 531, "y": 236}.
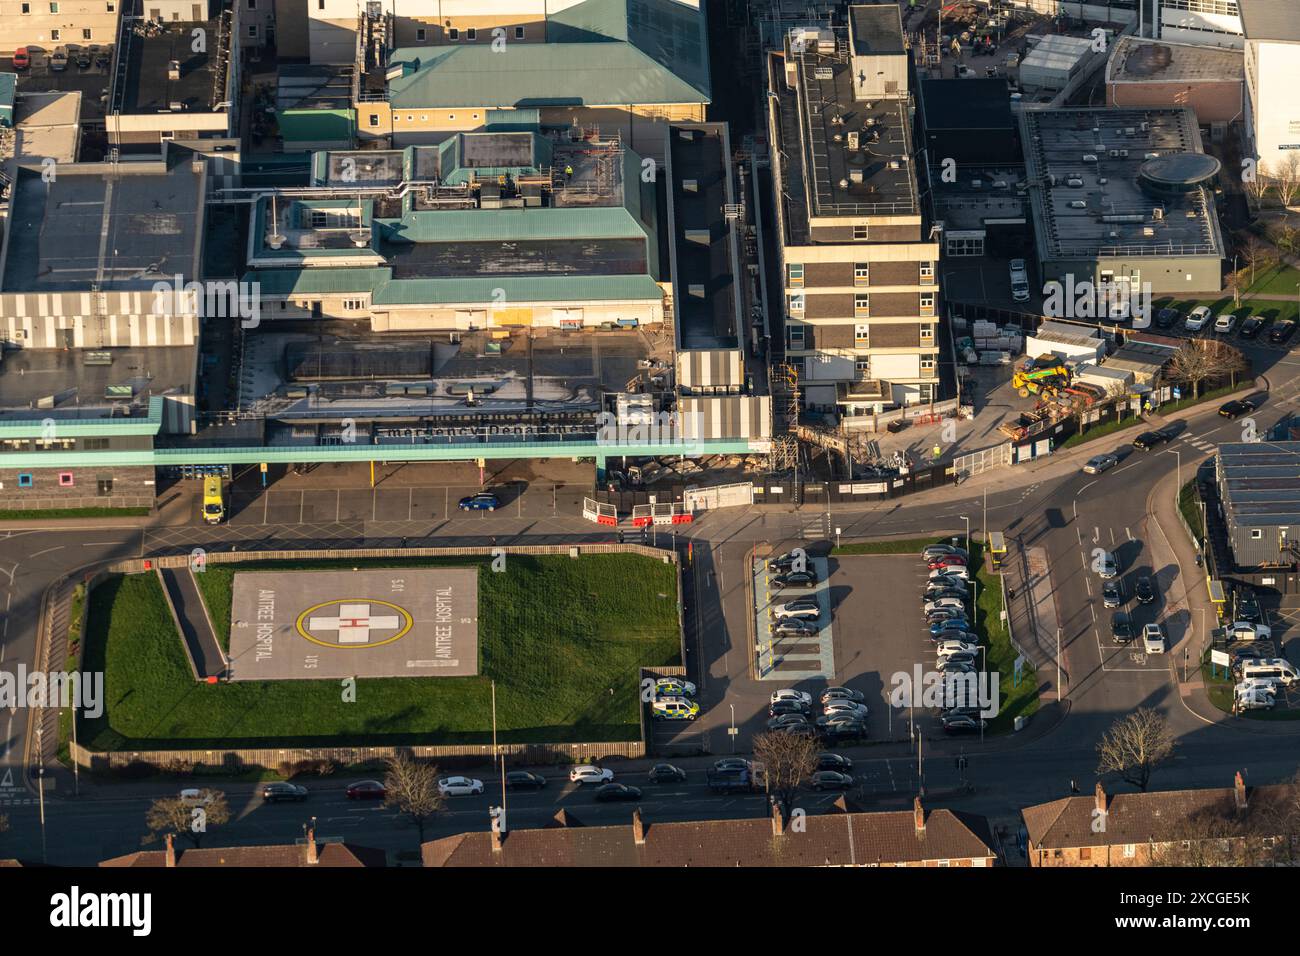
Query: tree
{"x": 1210, "y": 837}
{"x": 1202, "y": 359}
{"x": 412, "y": 789}
{"x": 1235, "y": 282}
{"x": 187, "y": 816}
{"x": 1257, "y": 253}
{"x": 1287, "y": 177}
{"x": 787, "y": 760}
{"x": 1256, "y": 183}
{"x": 1287, "y": 239}
{"x": 1135, "y": 746}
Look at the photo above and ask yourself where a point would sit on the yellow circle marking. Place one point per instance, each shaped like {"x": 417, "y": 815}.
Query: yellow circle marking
{"x": 406, "y": 615}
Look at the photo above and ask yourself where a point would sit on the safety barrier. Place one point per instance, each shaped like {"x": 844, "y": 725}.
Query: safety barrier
{"x": 667, "y": 513}
{"x": 593, "y": 510}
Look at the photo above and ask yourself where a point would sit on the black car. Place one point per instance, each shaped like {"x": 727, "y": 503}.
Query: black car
{"x": 798, "y": 730}
{"x": 617, "y": 791}
{"x": 1250, "y": 327}
{"x": 1239, "y": 406}
{"x": 787, "y": 719}
{"x": 1168, "y": 318}
{"x": 780, "y": 708}
{"x": 1148, "y": 440}
{"x": 831, "y": 780}
{"x": 1281, "y": 331}
{"x": 785, "y": 562}
{"x": 727, "y": 764}
{"x": 842, "y": 731}
{"x": 275, "y": 792}
{"x": 524, "y": 780}
{"x": 795, "y": 579}
{"x": 1112, "y": 593}
{"x": 962, "y": 724}
{"x": 829, "y": 761}
{"x": 667, "y": 773}
{"x": 1121, "y": 628}
{"x": 1243, "y": 655}
{"x": 1248, "y": 607}
{"x": 1145, "y": 590}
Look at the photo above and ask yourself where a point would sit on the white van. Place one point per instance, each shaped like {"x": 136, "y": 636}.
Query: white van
{"x": 1273, "y": 668}
{"x": 674, "y": 708}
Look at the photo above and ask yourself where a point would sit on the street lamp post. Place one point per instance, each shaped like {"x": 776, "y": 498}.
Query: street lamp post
{"x": 974, "y": 582}
{"x": 732, "y": 735}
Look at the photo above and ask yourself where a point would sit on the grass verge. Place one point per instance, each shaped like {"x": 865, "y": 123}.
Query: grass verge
{"x": 36, "y": 514}
{"x": 562, "y": 638}
{"x": 1189, "y": 503}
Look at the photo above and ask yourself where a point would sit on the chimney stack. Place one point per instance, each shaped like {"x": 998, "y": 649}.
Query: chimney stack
{"x": 1100, "y": 798}
{"x": 312, "y": 859}
{"x": 918, "y": 816}
{"x": 638, "y": 828}
{"x": 171, "y": 850}
{"x": 778, "y": 819}
{"x": 497, "y": 836}
{"x": 1239, "y": 791}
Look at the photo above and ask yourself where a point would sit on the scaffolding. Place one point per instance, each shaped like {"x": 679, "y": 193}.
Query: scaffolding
{"x": 784, "y": 455}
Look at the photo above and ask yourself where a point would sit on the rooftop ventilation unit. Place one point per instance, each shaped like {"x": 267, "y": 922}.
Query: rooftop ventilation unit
{"x": 173, "y": 69}
{"x": 857, "y": 175}
{"x": 824, "y": 73}
{"x": 853, "y": 139}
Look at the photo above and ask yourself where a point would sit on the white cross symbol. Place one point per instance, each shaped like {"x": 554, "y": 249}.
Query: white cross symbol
{"x": 353, "y": 623}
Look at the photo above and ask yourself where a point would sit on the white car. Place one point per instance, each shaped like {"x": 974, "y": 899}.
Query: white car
{"x": 846, "y": 707}
{"x": 1197, "y": 319}
{"x": 1254, "y": 700}
{"x": 952, "y": 572}
{"x": 1225, "y": 323}
{"x": 1263, "y": 685}
{"x": 1153, "y": 639}
{"x": 459, "y": 786}
{"x": 1247, "y": 631}
{"x": 957, "y": 604}
{"x": 803, "y": 608}
{"x": 590, "y": 773}
{"x": 798, "y": 696}
{"x": 948, "y": 648}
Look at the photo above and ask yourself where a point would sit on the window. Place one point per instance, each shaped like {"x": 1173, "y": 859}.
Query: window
{"x": 410, "y": 117}
{"x": 1256, "y": 534}
{"x": 451, "y": 117}
{"x": 862, "y": 336}
{"x": 796, "y": 303}
{"x": 453, "y": 33}
{"x": 25, "y": 479}
{"x": 1085, "y": 853}
{"x": 65, "y": 479}
{"x": 965, "y": 245}
{"x": 419, "y": 34}
{"x": 927, "y": 273}
{"x": 927, "y": 331}
{"x": 863, "y": 367}
{"x": 1130, "y": 850}
{"x": 927, "y": 365}
{"x": 112, "y": 7}
{"x": 471, "y": 34}
{"x": 861, "y": 305}
{"x": 519, "y": 33}
{"x": 85, "y": 34}
{"x": 56, "y": 35}
{"x": 252, "y": 31}
{"x": 861, "y": 273}
{"x": 27, "y": 8}
{"x": 94, "y": 444}
{"x": 252, "y": 4}
{"x": 927, "y": 303}
{"x": 104, "y": 485}
{"x": 795, "y": 273}
{"x": 859, "y": 233}
{"x": 320, "y": 4}
{"x": 424, "y": 118}
{"x": 374, "y": 119}
{"x": 354, "y": 305}
{"x": 796, "y": 338}
{"x": 54, "y": 8}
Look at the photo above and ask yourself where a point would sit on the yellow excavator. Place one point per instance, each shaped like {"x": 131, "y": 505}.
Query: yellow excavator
{"x": 1045, "y": 375}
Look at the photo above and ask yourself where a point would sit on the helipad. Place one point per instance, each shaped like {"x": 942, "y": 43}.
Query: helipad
{"x": 396, "y": 622}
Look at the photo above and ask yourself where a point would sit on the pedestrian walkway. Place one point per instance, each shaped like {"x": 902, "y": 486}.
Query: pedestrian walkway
{"x": 206, "y": 656}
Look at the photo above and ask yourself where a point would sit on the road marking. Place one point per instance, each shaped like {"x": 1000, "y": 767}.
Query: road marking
{"x": 1096, "y": 535}
{"x": 1075, "y": 504}
{"x": 57, "y": 547}
{"x": 1129, "y": 533}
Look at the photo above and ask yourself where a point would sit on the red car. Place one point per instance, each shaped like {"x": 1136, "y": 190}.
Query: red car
{"x": 22, "y": 59}
{"x": 367, "y": 790}
{"x": 947, "y": 561}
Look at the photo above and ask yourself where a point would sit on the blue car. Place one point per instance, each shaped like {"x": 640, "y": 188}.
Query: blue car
{"x": 952, "y": 624}
{"x": 483, "y": 501}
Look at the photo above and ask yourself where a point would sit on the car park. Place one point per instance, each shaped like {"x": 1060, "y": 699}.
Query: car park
{"x": 278, "y": 791}
{"x": 459, "y": 786}
{"x": 802, "y": 608}
{"x": 483, "y": 501}
{"x": 672, "y": 687}
{"x": 588, "y": 773}
{"x": 1121, "y": 628}
{"x": 366, "y": 790}
{"x": 1153, "y": 639}
{"x": 1145, "y": 589}
{"x": 667, "y": 773}
{"x": 524, "y": 780}
{"x": 1225, "y": 323}
{"x": 1197, "y": 319}
{"x": 794, "y": 627}
{"x": 795, "y": 579}
{"x": 830, "y": 761}
{"x": 1148, "y": 440}
{"x": 1099, "y": 463}
{"x": 1236, "y": 408}
{"x": 1167, "y": 318}
{"x": 1107, "y": 565}
{"x": 617, "y": 791}
{"x": 1281, "y": 331}
{"x": 962, "y": 724}
{"x": 1250, "y": 327}
{"x": 831, "y": 780}
{"x": 841, "y": 693}
{"x": 1112, "y": 593}
{"x": 674, "y": 708}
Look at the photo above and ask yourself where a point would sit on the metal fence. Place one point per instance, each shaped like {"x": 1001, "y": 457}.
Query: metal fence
{"x": 978, "y": 462}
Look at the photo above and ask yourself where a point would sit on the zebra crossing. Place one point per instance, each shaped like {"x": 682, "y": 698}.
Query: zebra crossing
{"x": 1200, "y": 444}
{"x": 816, "y": 527}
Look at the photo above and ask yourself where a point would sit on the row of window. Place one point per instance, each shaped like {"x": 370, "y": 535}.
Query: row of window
{"x": 861, "y": 336}
{"x": 52, "y": 444}
{"x": 410, "y": 118}
{"x": 103, "y": 484}
{"x": 861, "y": 304}
{"x": 861, "y": 273}
{"x": 57, "y": 35}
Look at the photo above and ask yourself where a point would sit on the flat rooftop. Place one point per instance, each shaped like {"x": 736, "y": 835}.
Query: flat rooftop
{"x": 121, "y": 226}
{"x": 1136, "y": 60}
{"x": 302, "y": 86}
{"x": 144, "y": 86}
{"x": 1118, "y": 216}
{"x": 876, "y": 29}
{"x": 981, "y": 195}
{"x": 75, "y": 383}
{"x": 1260, "y": 482}
{"x": 539, "y": 257}
{"x": 47, "y": 125}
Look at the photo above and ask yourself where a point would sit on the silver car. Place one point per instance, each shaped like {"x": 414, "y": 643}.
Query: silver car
{"x": 1099, "y": 463}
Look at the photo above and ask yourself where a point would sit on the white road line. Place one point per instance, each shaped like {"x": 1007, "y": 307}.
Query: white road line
{"x": 57, "y": 547}
{"x": 1075, "y": 504}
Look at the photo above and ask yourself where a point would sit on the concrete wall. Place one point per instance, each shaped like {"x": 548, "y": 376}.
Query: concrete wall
{"x": 1273, "y": 76}
{"x": 132, "y": 487}
{"x": 38, "y": 26}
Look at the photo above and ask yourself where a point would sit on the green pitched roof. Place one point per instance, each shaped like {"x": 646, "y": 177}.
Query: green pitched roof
{"x": 317, "y": 281}
{"x": 532, "y": 289}
{"x": 606, "y": 222}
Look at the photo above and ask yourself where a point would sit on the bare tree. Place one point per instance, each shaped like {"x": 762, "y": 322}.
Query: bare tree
{"x": 185, "y": 816}
{"x": 1134, "y": 746}
{"x": 1287, "y": 238}
{"x": 1257, "y": 254}
{"x": 412, "y": 789}
{"x": 1256, "y": 184}
{"x": 1210, "y": 837}
{"x": 787, "y": 760}
{"x": 1202, "y": 359}
{"x": 1236, "y": 282}
{"x": 1287, "y": 177}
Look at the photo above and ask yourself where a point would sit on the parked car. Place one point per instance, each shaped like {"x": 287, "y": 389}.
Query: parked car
{"x": 589, "y": 773}
{"x": 802, "y": 608}
{"x": 524, "y": 780}
{"x": 1121, "y": 628}
{"x": 779, "y": 708}
{"x": 1153, "y": 639}
{"x": 1148, "y": 440}
{"x": 674, "y": 687}
{"x": 674, "y": 708}
{"x": 1168, "y": 318}
{"x": 953, "y": 571}
{"x": 938, "y": 550}
{"x": 795, "y": 579}
{"x": 1281, "y": 330}
{"x": 483, "y": 501}
{"x": 938, "y": 628}
{"x": 830, "y": 761}
{"x": 726, "y": 764}
{"x": 1250, "y": 327}
{"x": 617, "y": 791}
{"x": 276, "y": 792}
{"x": 1225, "y": 323}
{"x": 59, "y": 59}
{"x": 1099, "y": 463}
{"x": 786, "y": 562}
{"x": 794, "y": 627}
{"x": 950, "y": 666}
{"x": 789, "y": 693}
{"x": 22, "y": 59}
{"x": 1197, "y": 319}
{"x": 935, "y": 615}
{"x": 460, "y": 786}
{"x": 1145, "y": 589}
{"x": 939, "y": 594}
{"x": 850, "y": 707}
{"x": 947, "y": 561}
{"x": 1237, "y": 407}
{"x": 731, "y": 781}
{"x": 366, "y": 790}
{"x": 1249, "y": 631}
{"x": 1248, "y": 606}
{"x": 955, "y": 603}
{"x": 1112, "y": 593}
{"x": 83, "y": 58}
{"x": 667, "y": 773}
{"x": 1254, "y": 700}
{"x": 962, "y": 724}
{"x": 786, "y": 720}
{"x": 841, "y": 693}
{"x": 953, "y": 658}
{"x": 1108, "y": 567}
{"x": 949, "y": 648}
{"x": 831, "y": 780}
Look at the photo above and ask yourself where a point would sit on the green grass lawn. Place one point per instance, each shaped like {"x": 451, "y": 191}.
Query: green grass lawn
{"x": 1189, "y": 503}
{"x": 556, "y": 634}
{"x": 33, "y": 514}
{"x": 1280, "y": 279}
